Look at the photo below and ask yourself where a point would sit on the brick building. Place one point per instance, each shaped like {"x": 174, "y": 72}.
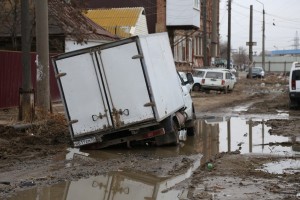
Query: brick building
{"x": 183, "y": 20}
{"x": 187, "y": 40}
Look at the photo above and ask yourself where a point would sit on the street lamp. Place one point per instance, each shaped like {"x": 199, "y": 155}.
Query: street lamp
{"x": 263, "y": 37}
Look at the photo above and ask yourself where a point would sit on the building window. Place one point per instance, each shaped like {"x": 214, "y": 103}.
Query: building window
{"x": 197, "y": 4}
{"x": 183, "y": 49}
{"x": 189, "y": 50}
{"x": 179, "y": 48}
{"x": 176, "y": 48}
{"x": 197, "y": 46}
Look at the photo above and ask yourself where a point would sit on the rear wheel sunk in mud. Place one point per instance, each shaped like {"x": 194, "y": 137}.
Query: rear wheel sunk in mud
{"x": 171, "y": 137}
{"x": 190, "y": 126}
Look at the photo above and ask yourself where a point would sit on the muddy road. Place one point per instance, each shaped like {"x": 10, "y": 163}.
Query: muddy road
{"x": 246, "y": 146}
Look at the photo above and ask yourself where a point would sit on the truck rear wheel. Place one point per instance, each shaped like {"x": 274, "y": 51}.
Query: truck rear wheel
{"x": 171, "y": 137}
{"x": 191, "y": 124}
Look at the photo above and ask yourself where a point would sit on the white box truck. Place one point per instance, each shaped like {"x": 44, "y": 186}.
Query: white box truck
{"x": 124, "y": 91}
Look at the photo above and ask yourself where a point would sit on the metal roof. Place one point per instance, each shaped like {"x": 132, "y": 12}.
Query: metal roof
{"x": 285, "y": 52}
{"x": 115, "y": 16}
{"x": 149, "y": 5}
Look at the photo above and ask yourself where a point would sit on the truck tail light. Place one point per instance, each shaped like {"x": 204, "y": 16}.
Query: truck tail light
{"x": 293, "y": 84}
{"x": 154, "y": 133}
{"x": 203, "y": 81}
{"x": 223, "y": 82}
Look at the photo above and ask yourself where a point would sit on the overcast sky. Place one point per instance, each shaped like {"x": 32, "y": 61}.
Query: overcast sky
{"x": 285, "y": 14}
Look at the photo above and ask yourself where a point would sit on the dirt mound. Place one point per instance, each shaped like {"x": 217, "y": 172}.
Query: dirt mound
{"x": 39, "y": 139}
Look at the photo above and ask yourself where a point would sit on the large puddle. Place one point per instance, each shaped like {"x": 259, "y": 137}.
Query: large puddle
{"x": 120, "y": 185}
{"x": 244, "y": 135}
{"x": 212, "y": 136}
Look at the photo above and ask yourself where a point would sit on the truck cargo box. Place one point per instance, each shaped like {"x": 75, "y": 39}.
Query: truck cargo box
{"x": 122, "y": 85}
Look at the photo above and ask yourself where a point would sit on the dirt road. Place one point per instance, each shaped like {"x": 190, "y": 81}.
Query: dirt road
{"x": 39, "y": 156}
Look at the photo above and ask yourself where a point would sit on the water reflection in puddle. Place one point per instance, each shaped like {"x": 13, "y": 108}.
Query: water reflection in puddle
{"x": 220, "y": 134}
{"x": 121, "y": 185}
{"x": 286, "y": 166}
{"x": 212, "y": 136}
{"x": 246, "y": 136}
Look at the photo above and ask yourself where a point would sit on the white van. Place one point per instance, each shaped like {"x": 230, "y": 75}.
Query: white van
{"x": 294, "y": 85}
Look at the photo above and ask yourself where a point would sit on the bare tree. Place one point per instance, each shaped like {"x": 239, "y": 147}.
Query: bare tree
{"x": 10, "y": 20}
{"x": 241, "y": 57}
{"x": 223, "y": 50}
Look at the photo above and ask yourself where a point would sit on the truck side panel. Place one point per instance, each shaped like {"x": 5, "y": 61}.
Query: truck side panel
{"x": 162, "y": 75}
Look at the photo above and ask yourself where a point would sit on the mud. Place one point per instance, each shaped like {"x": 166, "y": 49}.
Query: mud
{"x": 36, "y": 157}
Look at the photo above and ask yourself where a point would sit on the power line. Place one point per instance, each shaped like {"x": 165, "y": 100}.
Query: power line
{"x": 269, "y": 14}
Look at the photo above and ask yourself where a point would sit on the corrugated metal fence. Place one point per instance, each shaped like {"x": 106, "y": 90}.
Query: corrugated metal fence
{"x": 11, "y": 78}
{"x": 276, "y": 63}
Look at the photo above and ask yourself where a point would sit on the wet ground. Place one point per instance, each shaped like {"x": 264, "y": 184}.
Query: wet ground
{"x": 246, "y": 146}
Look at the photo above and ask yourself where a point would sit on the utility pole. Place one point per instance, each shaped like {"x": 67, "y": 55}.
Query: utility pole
{"x": 229, "y": 35}
{"x": 42, "y": 59}
{"x": 26, "y": 92}
{"x": 263, "y": 36}
{"x": 251, "y": 41}
{"x": 251, "y": 35}
{"x": 205, "y": 34}
{"x": 214, "y": 41}
{"x": 263, "y": 44}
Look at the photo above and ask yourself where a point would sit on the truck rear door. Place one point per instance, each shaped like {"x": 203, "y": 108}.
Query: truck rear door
{"x": 83, "y": 93}
{"x": 125, "y": 84}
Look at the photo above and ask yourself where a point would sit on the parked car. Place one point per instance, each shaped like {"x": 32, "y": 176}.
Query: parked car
{"x": 230, "y": 71}
{"x": 198, "y": 75}
{"x": 294, "y": 85}
{"x": 257, "y": 72}
{"x": 219, "y": 80}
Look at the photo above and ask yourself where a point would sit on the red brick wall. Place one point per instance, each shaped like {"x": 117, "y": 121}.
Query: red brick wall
{"x": 161, "y": 16}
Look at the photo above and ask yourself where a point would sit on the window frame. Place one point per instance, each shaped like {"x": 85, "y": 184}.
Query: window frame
{"x": 196, "y": 4}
